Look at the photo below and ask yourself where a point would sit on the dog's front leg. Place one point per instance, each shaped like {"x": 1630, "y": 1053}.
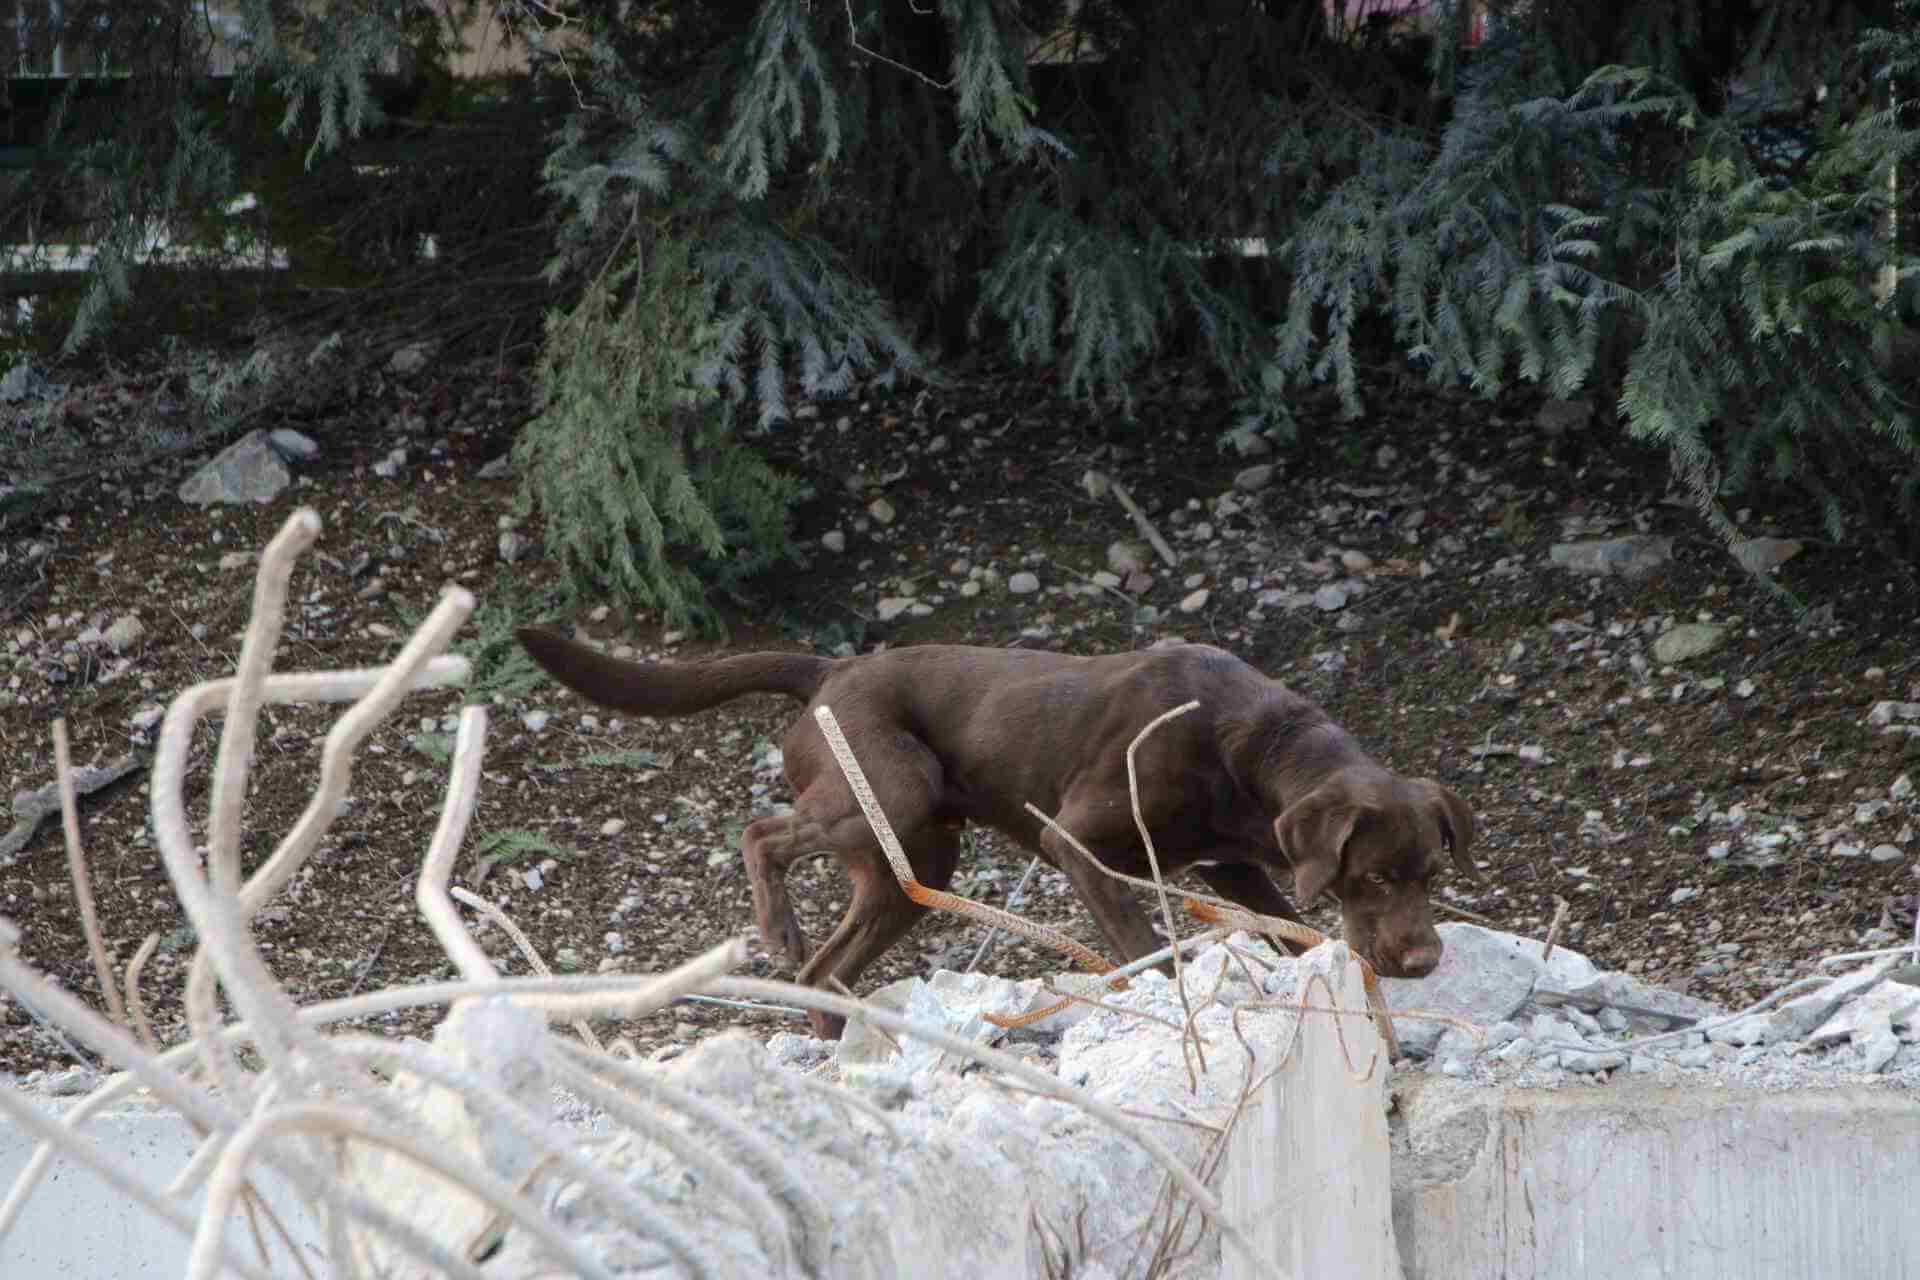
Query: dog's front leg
{"x": 1111, "y": 903}
{"x": 1249, "y": 886}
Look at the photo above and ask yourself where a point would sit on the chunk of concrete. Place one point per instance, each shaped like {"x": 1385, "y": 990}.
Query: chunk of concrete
{"x": 1798, "y": 1017}
{"x": 1307, "y": 1175}
{"x": 1484, "y": 977}
{"x": 1639, "y": 1181}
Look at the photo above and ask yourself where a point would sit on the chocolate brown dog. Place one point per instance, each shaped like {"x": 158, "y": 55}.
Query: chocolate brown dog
{"x": 1255, "y": 780}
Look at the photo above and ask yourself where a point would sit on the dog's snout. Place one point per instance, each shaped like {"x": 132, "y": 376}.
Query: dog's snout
{"x": 1418, "y": 962}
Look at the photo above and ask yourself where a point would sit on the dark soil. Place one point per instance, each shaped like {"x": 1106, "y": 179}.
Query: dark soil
{"x": 1465, "y": 639}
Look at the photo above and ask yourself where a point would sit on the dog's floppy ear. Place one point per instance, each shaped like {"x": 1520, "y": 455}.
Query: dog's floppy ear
{"x": 1456, "y": 824}
{"x": 1313, "y": 832}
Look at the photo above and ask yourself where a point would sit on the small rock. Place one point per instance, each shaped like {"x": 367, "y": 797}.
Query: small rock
{"x": 513, "y": 546}
{"x": 1886, "y": 853}
{"x": 1128, "y": 558}
{"x": 248, "y": 470}
{"x": 291, "y": 445}
{"x": 1255, "y": 478}
{"x": 615, "y": 943}
{"x": 1139, "y": 582}
{"x": 1902, "y": 788}
{"x": 235, "y": 560}
{"x": 1631, "y": 557}
{"x": 1885, "y": 713}
{"x": 71, "y": 1083}
{"x": 892, "y": 607}
{"x": 498, "y": 469}
{"x": 1688, "y": 640}
{"x": 125, "y": 633}
{"x": 1195, "y": 601}
{"x": 1331, "y": 598}
{"x": 1587, "y": 1063}
{"x": 532, "y": 878}
{"x": 389, "y": 467}
{"x": 882, "y": 511}
{"x": 411, "y": 359}
{"x": 834, "y": 541}
{"x": 1356, "y": 561}
{"x": 1764, "y": 555}
{"x": 147, "y": 717}
{"x": 613, "y": 826}
{"x": 1557, "y": 417}
{"x": 1095, "y": 483}
{"x": 536, "y": 721}
{"x": 1023, "y": 583}
{"x": 1102, "y": 578}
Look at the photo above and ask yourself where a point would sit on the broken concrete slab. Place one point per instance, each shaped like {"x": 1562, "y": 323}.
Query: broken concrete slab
{"x": 1307, "y": 1169}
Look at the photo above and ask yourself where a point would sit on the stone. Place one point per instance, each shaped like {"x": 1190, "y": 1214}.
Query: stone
{"x": 1331, "y": 598}
{"x": 248, "y": 470}
{"x": 1255, "y": 478}
{"x": 1764, "y": 555}
{"x": 125, "y": 633}
{"x": 892, "y": 607}
{"x": 1597, "y": 1060}
{"x": 1885, "y": 713}
{"x": 1023, "y": 583}
{"x": 1195, "y": 601}
{"x": 1356, "y": 561}
{"x": 1630, "y": 557}
{"x": 882, "y": 511}
{"x": 291, "y": 444}
{"x": 834, "y": 541}
{"x": 1557, "y": 417}
{"x": 411, "y": 359}
{"x": 1902, "y": 788}
{"x": 1886, "y": 853}
{"x": 147, "y": 717}
{"x": 513, "y": 546}
{"x": 1126, "y": 558}
{"x": 1688, "y": 640}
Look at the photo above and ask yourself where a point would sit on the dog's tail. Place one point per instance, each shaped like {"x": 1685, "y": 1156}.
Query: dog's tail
{"x": 670, "y": 688}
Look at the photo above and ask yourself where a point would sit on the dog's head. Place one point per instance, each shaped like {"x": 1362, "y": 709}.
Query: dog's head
{"x": 1375, "y": 840}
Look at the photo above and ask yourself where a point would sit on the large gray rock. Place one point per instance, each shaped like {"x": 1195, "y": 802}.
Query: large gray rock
{"x": 1631, "y": 557}
{"x": 1484, "y": 977}
{"x": 248, "y": 470}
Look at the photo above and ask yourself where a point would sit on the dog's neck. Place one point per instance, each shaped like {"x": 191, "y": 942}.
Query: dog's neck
{"x": 1286, "y": 749}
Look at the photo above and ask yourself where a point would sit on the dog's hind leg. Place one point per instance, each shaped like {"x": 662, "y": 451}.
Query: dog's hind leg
{"x": 880, "y": 913}
{"x": 770, "y": 847}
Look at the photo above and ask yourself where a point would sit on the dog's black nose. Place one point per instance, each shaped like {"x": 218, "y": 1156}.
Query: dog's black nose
{"x": 1418, "y": 962}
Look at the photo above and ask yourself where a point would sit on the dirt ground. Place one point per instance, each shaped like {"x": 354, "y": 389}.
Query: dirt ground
{"x": 1715, "y": 823}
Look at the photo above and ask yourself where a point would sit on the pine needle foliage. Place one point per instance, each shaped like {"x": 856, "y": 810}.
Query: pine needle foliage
{"x": 1621, "y": 235}
{"x": 639, "y": 482}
